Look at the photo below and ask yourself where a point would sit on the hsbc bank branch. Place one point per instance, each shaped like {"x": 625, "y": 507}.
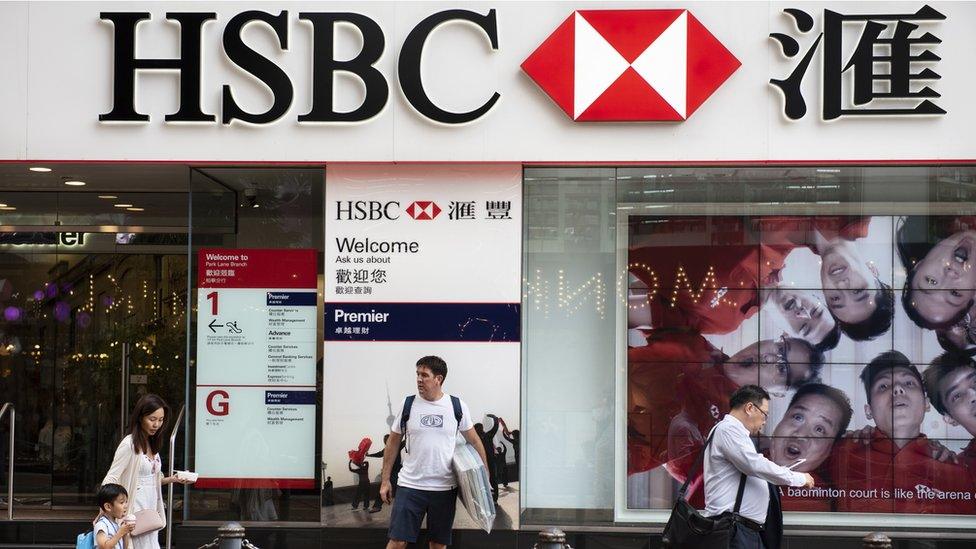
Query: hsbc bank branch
{"x": 606, "y": 217}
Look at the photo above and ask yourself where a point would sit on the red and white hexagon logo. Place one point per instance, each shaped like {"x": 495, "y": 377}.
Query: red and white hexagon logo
{"x": 630, "y": 65}
{"x": 423, "y": 210}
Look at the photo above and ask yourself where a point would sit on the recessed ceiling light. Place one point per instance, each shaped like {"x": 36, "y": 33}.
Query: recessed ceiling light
{"x": 107, "y": 196}
{"x": 136, "y": 209}
{"x": 123, "y": 205}
{"x": 39, "y": 169}
{"x": 7, "y": 208}
{"x": 75, "y": 183}
{"x": 3, "y": 205}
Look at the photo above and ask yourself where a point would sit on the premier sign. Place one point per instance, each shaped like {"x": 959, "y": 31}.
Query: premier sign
{"x": 324, "y": 66}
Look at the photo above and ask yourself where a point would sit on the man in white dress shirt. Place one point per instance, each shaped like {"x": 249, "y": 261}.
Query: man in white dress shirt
{"x": 731, "y": 454}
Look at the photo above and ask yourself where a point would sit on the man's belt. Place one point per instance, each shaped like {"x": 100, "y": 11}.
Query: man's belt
{"x": 749, "y": 523}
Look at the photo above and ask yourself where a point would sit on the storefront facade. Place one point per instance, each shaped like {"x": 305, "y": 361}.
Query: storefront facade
{"x": 605, "y": 217}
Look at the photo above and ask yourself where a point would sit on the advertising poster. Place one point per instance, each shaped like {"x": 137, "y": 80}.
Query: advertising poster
{"x": 256, "y": 387}
{"x": 860, "y": 327}
{"x": 419, "y": 261}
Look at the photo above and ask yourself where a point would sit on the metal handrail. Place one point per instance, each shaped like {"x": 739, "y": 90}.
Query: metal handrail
{"x": 123, "y": 389}
{"x": 172, "y": 457}
{"x": 10, "y": 457}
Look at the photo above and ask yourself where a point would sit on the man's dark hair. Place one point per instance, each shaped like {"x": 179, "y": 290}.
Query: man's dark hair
{"x": 878, "y": 322}
{"x": 816, "y": 363}
{"x": 941, "y": 367}
{"x": 746, "y": 394}
{"x": 108, "y": 493}
{"x": 835, "y": 395}
{"x": 888, "y": 360}
{"x": 915, "y": 238}
{"x": 830, "y": 340}
{"x": 436, "y": 365}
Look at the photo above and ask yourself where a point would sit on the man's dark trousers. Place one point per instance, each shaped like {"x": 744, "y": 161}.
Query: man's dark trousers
{"x": 746, "y": 538}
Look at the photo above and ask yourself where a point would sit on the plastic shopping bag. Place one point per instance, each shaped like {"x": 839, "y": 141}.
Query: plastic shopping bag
{"x": 473, "y": 487}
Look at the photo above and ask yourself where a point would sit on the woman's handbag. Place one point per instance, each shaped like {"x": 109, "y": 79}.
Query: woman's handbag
{"x": 688, "y": 529}
{"x": 147, "y": 520}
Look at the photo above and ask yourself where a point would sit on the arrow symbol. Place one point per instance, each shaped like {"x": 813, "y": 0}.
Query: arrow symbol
{"x": 212, "y": 325}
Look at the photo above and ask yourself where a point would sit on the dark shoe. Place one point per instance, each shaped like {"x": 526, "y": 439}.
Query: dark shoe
{"x": 355, "y": 507}
{"x": 375, "y": 510}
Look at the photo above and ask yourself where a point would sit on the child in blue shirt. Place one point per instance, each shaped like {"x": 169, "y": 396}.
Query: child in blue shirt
{"x": 111, "y": 528}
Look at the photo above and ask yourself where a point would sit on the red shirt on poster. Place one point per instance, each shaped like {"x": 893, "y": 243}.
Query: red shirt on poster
{"x": 714, "y": 289}
{"x": 968, "y": 456}
{"x": 898, "y": 480}
{"x": 676, "y": 393}
{"x": 781, "y": 235}
{"x": 709, "y": 289}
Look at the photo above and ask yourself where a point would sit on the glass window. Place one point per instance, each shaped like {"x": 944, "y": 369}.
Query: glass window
{"x": 846, "y": 292}
{"x": 265, "y": 214}
{"x": 568, "y": 344}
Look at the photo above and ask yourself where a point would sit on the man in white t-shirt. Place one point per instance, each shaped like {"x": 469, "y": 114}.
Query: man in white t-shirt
{"x": 426, "y": 484}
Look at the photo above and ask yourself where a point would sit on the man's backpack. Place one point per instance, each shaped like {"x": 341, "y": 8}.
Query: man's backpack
{"x": 408, "y": 405}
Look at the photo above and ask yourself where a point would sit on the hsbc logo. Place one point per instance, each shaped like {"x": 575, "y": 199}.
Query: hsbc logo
{"x": 630, "y": 65}
{"x": 423, "y": 210}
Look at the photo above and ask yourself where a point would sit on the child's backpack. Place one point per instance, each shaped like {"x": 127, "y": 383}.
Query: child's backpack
{"x": 86, "y": 541}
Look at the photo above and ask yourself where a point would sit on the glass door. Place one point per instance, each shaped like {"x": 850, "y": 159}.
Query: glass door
{"x": 93, "y": 293}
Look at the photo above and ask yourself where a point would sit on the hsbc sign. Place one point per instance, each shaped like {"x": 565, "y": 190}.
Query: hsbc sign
{"x": 527, "y": 82}
{"x": 375, "y": 210}
{"x": 324, "y": 70}
{"x": 598, "y": 65}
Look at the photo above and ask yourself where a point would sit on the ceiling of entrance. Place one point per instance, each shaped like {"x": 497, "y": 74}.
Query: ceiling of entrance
{"x": 117, "y": 177}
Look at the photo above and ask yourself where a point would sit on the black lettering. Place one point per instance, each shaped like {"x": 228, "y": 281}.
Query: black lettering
{"x": 261, "y": 67}
{"x": 126, "y": 65}
{"x": 409, "y": 65}
{"x": 361, "y": 211}
{"x": 324, "y": 67}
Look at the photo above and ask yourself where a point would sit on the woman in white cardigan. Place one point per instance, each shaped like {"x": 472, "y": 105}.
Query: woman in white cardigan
{"x": 138, "y": 468}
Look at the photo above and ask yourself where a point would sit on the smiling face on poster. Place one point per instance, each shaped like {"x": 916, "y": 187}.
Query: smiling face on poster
{"x": 861, "y": 327}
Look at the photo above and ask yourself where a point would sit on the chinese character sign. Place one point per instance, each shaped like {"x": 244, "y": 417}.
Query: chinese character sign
{"x": 886, "y": 71}
{"x": 420, "y": 260}
{"x": 257, "y": 312}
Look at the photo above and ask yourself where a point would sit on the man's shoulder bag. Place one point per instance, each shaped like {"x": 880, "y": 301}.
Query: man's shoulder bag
{"x": 689, "y": 529}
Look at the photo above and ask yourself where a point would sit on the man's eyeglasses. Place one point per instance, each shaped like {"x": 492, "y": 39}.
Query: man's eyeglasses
{"x": 764, "y": 413}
